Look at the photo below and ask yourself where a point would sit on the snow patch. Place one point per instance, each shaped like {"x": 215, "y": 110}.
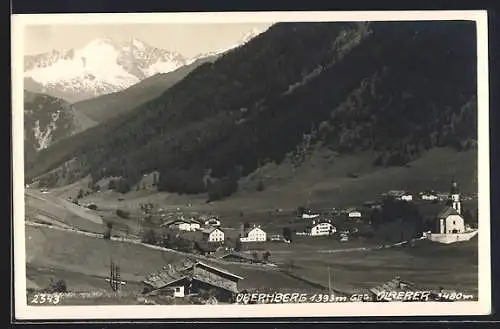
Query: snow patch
{"x": 138, "y": 44}
{"x": 44, "y": 137}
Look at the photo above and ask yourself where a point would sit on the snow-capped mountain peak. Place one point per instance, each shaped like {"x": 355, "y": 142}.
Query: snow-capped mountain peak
{"x": 243, "y": 40}
{"x": 102, "y": 66}
{"x": 250, "y": 35}
{"x": 105, "y": 65}
{"x": 138, "y": 44}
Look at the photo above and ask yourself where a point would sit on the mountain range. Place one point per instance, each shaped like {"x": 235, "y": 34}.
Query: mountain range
{"x": 103, "y": 66}
{"x": 395, "y": 89}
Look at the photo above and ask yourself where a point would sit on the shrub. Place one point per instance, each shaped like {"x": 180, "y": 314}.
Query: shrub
{"x": 123, "y": 214}
{"x": 112, "y": 184}
{"x": 58, "y": 286}
{"x": 150, "y": 237}
{"x": 107, "y": 233}
{"x": 92, "y": 206}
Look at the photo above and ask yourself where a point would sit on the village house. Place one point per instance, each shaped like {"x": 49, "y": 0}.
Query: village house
{"x": 395, "y": 194}
{"x": 443, "y": 196}
{"x": 309, "y": 214}
{"x": 354, "y": 214}
{"x": 190, "y": 278}
{"x": 213, "y": 234}
{"x": 275, "y": 237}
{"x": 428, "y": 196}
{"x": 406, "y": 197}
{"x": 183, "y": 224}
{"x": 254, "y": 234}
{"x": 399, "y": 195}
{"x": 212, "y": 222}
{"x": 372, "y": 204}
{"x": 321, "y": 228}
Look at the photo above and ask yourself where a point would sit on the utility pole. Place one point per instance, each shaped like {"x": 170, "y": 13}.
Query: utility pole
{"x": 329, "y": 281}
{"x": 114, "y": 277}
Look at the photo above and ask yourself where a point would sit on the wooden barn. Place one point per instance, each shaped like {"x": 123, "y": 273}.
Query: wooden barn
{"x": 193, "y": 279}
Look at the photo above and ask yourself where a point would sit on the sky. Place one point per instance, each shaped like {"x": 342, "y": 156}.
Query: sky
{"x": 187, "y": 39}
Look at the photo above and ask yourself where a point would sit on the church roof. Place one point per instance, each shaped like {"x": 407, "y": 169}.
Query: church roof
{"x": 447, "y": 211}
{"x": 436, "y": 211}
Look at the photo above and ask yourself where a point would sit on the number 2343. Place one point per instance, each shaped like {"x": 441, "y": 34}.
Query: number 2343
{"x": 46, "y": 299}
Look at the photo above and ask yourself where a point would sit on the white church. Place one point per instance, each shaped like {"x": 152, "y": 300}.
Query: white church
{"x": 450, "y": 223}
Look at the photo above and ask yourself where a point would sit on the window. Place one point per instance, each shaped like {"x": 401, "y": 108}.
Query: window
{"x": 453, "y": 222}
{"x": 177, "y": 289}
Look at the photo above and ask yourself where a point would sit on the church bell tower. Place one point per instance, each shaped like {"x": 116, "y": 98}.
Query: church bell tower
{"x": 455, "y": 197}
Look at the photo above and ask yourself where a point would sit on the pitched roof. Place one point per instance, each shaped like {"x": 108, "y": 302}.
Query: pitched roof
{"x": 236, "y": 254}
{"x": 217, "y": 269}
{"x": 320, "y": 223}
{"x": 168, "y": 274}
{"x": 394, "y": 285}
{"x": 447, "y": 211}
{"x": 436, "y": 211}
{"x": 249, "y": 229}
{"x": 176, "y": 220}
{"x": 177, "y": 271}
{"x": 209, "y": 230}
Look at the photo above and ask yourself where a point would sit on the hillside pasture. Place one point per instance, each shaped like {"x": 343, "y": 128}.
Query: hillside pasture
{"x": 428, "y": 265}
{"x": 61, "y": 210}
{"x": 81, "y": 259}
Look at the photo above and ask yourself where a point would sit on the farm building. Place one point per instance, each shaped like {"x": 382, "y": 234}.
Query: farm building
{"x": 213, "y": 234}
{"x": 372, "y": 205}
{"x": 183, "y": 224}
{"x": 428, "y": 196}
{"x": 354, "y": 214}
{"x": 275, "y": 237}
{"x": 406, "y": 197}
{"x": 238, "y": 257}
{"x": 193, "y": 278}
{"x": 254, "y": 234}
{"x": 321, "y": 228}
{"x": 212, "y": 222}
{"x": 309, "y": 215}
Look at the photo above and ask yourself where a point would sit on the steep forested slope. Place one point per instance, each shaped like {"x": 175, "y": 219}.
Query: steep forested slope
{"x": 397, "y": 88}
{"x": 47, "y": 120}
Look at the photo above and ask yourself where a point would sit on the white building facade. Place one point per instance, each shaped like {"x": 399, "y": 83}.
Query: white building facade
{"x": 255, "y": 234}
{"x": 320, "y": 229}
{"x": 354, "y": 214}
{"x": 213, "y": 235}
{"x": 407, "y": 197}
{"x": 186, "y": 225}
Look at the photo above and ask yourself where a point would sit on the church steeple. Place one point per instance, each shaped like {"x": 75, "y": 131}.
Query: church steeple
{"x": 455, "y": 197}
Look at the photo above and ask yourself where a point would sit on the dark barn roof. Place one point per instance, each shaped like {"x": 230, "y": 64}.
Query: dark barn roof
{"x": 173, "y": 273}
